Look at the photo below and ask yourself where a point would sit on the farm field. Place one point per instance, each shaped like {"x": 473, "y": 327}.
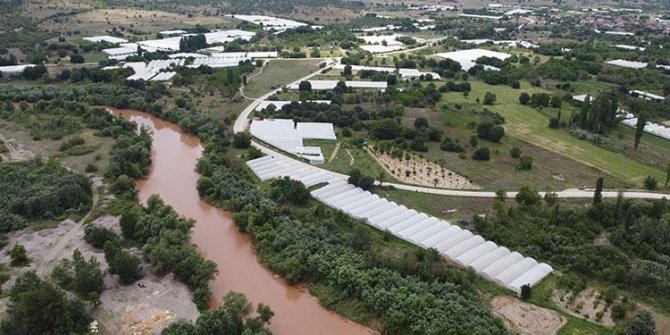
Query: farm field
{"x": 277, "y": 73}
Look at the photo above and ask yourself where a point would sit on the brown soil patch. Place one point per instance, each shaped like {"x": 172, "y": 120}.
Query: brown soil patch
{"x": 415, "y": 170}
{"x": 523, "y": 318}
{"x": 587, "y": 305}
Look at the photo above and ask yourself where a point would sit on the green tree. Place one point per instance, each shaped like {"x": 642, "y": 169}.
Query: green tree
{"x": 641, "y": 324}
{"x": 526, "y": 292}
{"x": 515, "y": 152}
{"x": 639, "y": 128}
{"x": 556, "y": 101}
{"x": 501, "y": 195}
{"x": 124, "y": 186}
{"x": 496, "y": 133}
{"x": 550, "y": 198}
{"x": 420, "y": 123}
{"x": 37, "y": 307}
{"x": 242, "y": 140}
{"x": 96, "y": 236}
{"x": 524, "y": 98}
{"x": 18, "y": 255}
{"x": 482, "y": 154}
{"x": 122, "y": 263}
{"x": 76, "y": 58}
{"x": 525, "y": 163}
{"x": 489, "y": 98}
{"x": 527, "y": 197}
{"x": 80, "y": 276}
{"x": 286, "y": 190}
{"x": 650, "y": 183}
{"x": 347, "y": 71}
{"x": 598, "y": 193}
{"x": 667, "y": 175}
{"x": 305, "y": 86}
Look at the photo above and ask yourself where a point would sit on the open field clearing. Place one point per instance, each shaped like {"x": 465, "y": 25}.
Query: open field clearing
{"x": 526, "y": 319}
{"x": 414, "y": 170}
{"x": 277, "y": 73}
{"x": 94, "y": 151}
{"x": 99, "y": 21}
{"x": 530, "y": 125}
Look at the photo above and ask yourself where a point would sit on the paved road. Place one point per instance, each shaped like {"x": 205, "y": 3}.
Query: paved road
{"x": 241, "y": 124}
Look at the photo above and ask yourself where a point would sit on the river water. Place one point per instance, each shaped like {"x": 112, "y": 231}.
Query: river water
{"x": 172, "y": 176}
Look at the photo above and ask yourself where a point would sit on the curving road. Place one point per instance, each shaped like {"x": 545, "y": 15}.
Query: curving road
{"x": 242, "y": 122}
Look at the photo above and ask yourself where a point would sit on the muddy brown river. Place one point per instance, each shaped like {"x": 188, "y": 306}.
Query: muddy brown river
{"x": 173, "y": 178}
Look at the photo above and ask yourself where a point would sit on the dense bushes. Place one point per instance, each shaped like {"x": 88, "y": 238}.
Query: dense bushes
{"x": 636, "y": 257}
{"x": 413, "y": 297}
{"x": 487, "y": 130}
{"x": 79, "y": 276}
{"x": 164, "y": 236}
{"x": 38, "y": 307}
{"x": 37, "y": 190}
{"x": 233, "y": 317}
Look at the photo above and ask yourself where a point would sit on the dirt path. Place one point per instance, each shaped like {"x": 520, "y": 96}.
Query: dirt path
{"x": 351, "y": 161}
{"x": 65, "y": 243}
{"x": 335, "y": 151}
{"x": 10, "y": 148}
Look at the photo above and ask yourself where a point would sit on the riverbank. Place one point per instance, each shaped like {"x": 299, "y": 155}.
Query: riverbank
{"x": 172, "y": 177}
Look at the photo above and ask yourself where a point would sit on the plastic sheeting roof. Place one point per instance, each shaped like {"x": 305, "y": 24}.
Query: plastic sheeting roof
{"x": 330, "y": 84}
{"x": 279, "y": 104}
{"x": 497, "y": 264}
{"x": 405, "y": 73}
{"x": 627, "y": 63}
{"x": 105, "y": 38}
{"x": 468, "y": 57}
{"x": 14, "y": 69}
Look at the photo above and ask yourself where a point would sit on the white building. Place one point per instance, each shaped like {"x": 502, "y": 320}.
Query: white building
{"x": 279, "y": 104}
{"x": 646, "y": 95}
{"x": 105, "y": 38}
{"x": 270, "y": 22}
{"x": 169, "y": 33}
{"x": 320, "y": 85}
{"x": 14, "y": 69}
{"x": 404, "y": 73}
{"x": 467, "y": 58}
{"x": 475, "y": 16}
{"x": 172, "y": 43}
{"x": 627, "y": 64}
{"x": 120, "y": 53}
{"x": 629, "y": 47}
{"x": 288, "y": 136}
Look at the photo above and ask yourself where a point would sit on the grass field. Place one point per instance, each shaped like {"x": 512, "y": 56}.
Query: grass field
{"x": 96, "y": 153}
{"x": 530, "y": 125}
{"x": 278, "y": 73}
